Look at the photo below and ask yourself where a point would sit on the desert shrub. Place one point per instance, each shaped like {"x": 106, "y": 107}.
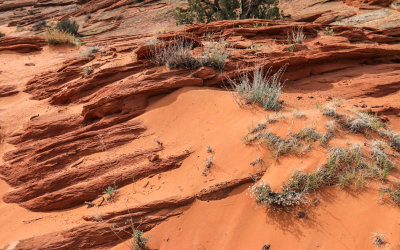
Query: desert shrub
{"x": 90, "y": 51}
{"x": 215, "y": 54}
{"x": 381, "y": 165}
{"x": 263, "y": 89}
{"x": 176, "y": 54}
{"x": 308, "y": 133}
{"x": 39, "y": 25}
{"x": 259, "y": 127}
{"x": 182, "y": 58}
{"x": 298, "y": 114}
{"x": 56, "y": 37}
{"x": 280, "y": 146}
{"x": 306, "y": 183}
{"x": 378, "y": 239}
{"x": 2, "y": 34}
{"x": 263, "y": 194}
{"x": 256, "y": 161}
{"x": 208, "y": 164}
{"x": 204, "y": 11}
{"x": 329, "y": 109}
{"x": 362, "y": 122}
{"x": 342, "y": 158}
{"x": 68, "y": 26}
{"x": 325, "y": 138}
{"x": 111, "y": 192}
{"x": 329, "y": 31}
{"x": 346, "y": 177}
{"x": 139, "y": 242}
{"x": 393, "y": 193}
{"x": 393, "y": 138}
{"x": 296, "y": 35}
{"x": 87, "y": 71}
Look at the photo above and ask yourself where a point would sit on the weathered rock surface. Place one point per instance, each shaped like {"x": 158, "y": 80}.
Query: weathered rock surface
{"x": 22, "y": 44}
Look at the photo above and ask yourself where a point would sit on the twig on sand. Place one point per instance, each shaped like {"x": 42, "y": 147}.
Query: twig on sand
{"x": 32, "y": 220}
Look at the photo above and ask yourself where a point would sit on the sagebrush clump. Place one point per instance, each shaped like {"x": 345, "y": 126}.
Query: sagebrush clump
{"x": 175, "y": 54}
{"x": 261, "y": 88}
{"x": 68, "y": 26}
{"x": 263, "y": 194}
{"x": 215, "y": 54}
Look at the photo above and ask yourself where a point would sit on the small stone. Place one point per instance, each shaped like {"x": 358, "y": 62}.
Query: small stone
{"x": 315, "y": 201}
{"x": 153, "y": 157}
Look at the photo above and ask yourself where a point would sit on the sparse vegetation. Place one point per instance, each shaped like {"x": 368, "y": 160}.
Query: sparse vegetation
{"x": 175, "y": 54}
{"x": 68, "y": 26}
{"x": 2, "y": 34}
{"x": 111, "y": 192}
{"x": 329, "y": 31}
{"x": 139, "y": 242}
{"x": 381, "y": 165}
{"x": 208, "y": 164}
{"x": 56, "y": 37}
{"x": 209, "y": 149}
{"x": 392, "y": 192}
{"x": 296, "y": 36}
{"x": 263, "y": 194}
{"x": 256, "y": 161}
{"x": 258, "y": 128}
{"x": 90, "y": 51}
{"x": 392, "y": 137}
{"x": 298, "y": 114}
{"x": 87, "y": 71}
{"x": 344, "y": 166}
{"x": 201, "y": 11}
{"x": 263, "y": 89}
{"x": 39, "y": 25}
{"x": 331, "y": 128}
{"x": 378, "y": 239}
{"x": 362, "y": 122}
{"x": 215, "y": 54}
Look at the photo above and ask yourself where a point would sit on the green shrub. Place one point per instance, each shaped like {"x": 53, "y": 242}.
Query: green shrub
{"x": 206, "y": 11}
{"x": 2, "y": 34}
{"x": 68, "y": 26}
{"x": 111, "y": 192}
{"x": 139, "y": 242}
